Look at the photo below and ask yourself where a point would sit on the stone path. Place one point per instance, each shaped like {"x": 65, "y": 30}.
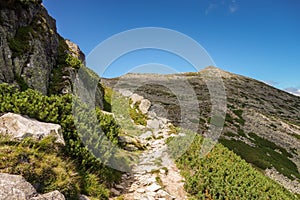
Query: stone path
{"x": 156, "y": 175}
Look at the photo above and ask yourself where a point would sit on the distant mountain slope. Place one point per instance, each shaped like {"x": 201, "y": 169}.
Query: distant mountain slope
{"x": 262, "y": 123}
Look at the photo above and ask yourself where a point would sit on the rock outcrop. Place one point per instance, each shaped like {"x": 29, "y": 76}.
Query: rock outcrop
{"x": 75, "y": 51}
{"x": 29, "y": 44}
{"x": 19, "y": 127}
{"x": 15, "y": 187}
{"x": 33, "y": 54}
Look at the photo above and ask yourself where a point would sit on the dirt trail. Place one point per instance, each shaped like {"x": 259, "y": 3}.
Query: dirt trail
{"x": 155, "y": 176}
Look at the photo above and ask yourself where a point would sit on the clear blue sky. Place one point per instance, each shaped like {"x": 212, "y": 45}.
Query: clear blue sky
{"x": 255, "y": 38}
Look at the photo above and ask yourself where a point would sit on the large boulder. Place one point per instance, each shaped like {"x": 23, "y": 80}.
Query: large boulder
{"x": 20, "y": 127}
{"x": 15, "y": 187}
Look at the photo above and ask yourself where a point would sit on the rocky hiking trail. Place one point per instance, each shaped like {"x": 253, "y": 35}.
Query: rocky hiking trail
{"x": 155, "y": 176}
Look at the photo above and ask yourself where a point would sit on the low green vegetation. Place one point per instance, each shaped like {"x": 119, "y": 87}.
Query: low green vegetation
{"x": 120, "y": 107}
{"x": 58, "y": 109}
{"x": 238, "y": 112}
{"x": 108, "y": 92}
{"x": 136, "y": 115}
{"x": 229, "y": 118}
{"x": 230, "y": 134}
{"x": 45, "y": 166}
{"x": 241, "y": 132}
{"x": 223, "y": 175}
{"x": 238, "y": 119}
{"x": 173, "y": 129}
{"x": 56, "y": 82}
{"x": 19, "y": 45}
{"x": 296, "y": 136}
{"x": 64, "y": 61}
{"x": 21, "y": 82}
{"x": 73, "y": 62}
{"x": 263, "y": 155}
{"x": 159, "y": 181}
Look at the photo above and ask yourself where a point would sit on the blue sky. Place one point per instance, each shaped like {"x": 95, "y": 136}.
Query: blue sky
{"x": 259, "y": 39}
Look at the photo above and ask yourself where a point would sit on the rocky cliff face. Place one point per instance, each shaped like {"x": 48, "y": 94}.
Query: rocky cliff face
{"x": 28, "y": 44}
{"x": 32, "y": 53}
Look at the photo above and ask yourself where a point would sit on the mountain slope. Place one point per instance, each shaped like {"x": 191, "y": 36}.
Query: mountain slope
{"x": 262, "y": 123}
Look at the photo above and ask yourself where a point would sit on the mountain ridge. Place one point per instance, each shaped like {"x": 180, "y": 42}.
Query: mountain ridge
{"x": 204, "y": 70}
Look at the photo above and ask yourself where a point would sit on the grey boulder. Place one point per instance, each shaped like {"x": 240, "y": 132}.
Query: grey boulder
{"x": 20, "y": 127}
{"x": 15, "y": 187}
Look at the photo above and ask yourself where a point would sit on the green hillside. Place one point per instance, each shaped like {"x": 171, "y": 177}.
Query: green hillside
{"x": 224, "y": 175}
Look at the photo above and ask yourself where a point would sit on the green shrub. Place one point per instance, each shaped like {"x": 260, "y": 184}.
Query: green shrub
{"x": 92, "y": 186}
{"x": 108, "y": 92}
{"x": 223, "y": 175}
{"x": 238, "y": 112}
{"x": 21, "y": 82}
{"x": 241, "y": 121}
{"x": 241, "y": 132}
{"x": 19, "y": 45}
{"x": 56, "y": 82}
{"x": 64, "y": 60}
{"x": 136, "y": 115}
{"x": 58, "y": 109}
{"x": 229, "y": 118}
{"x": 73, "y": 62}
{"x": 230, "y": 134}
{"x": 62, "y": 51}
{"x": 263, "y": 155}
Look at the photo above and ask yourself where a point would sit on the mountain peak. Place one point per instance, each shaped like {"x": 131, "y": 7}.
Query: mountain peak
{"x": 212, "y": 70}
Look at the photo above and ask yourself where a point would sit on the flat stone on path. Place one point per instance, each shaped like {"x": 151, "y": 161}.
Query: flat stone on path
{"x": 153, "y": 188}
